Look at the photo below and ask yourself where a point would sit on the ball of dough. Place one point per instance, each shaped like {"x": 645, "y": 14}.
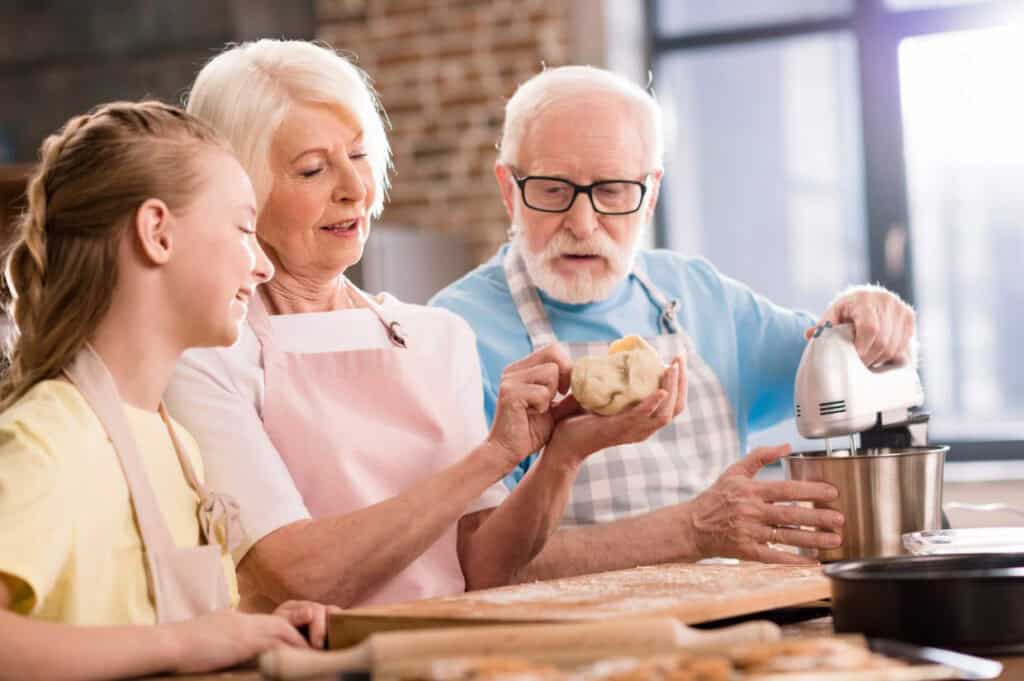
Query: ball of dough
{"x": 607, "y": 385}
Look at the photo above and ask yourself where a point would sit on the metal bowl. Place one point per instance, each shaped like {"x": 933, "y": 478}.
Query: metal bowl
{"x": 883, "y": 494}
{"x": 967, "y": 602}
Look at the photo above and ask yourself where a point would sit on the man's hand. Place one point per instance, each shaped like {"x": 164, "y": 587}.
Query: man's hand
{"x": 736, "y": 517}
{"x": 579, "y": 434}
{"x": 883, "y": 325}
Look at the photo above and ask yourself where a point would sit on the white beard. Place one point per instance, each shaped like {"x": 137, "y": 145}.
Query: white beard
{"x": 584, "y": 287}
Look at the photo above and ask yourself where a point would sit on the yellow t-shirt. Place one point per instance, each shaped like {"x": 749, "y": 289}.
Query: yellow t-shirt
{"x": 70, "y": 549}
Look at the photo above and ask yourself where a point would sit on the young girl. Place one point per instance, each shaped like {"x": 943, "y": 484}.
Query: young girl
{"x": 136, "y": 244}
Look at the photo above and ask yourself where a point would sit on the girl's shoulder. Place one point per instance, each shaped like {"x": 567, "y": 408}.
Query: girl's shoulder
{"x": 51, "y": 418}
{"x": 51, "y": 407}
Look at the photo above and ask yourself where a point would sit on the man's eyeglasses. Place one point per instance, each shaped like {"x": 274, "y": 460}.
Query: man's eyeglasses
{"x": 607, "y": 197}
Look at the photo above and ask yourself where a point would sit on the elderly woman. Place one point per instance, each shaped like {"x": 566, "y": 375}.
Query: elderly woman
{"x": 351, "y": 427}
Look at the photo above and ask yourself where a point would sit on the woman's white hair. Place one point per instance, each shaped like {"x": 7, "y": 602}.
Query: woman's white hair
{"x": 564, "y": 82}
{"x": 245, "y": 93}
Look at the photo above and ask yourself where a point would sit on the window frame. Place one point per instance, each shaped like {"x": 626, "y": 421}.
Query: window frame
{"x": 877, "y": 32}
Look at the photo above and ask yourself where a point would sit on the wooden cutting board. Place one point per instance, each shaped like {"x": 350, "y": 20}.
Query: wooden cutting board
{"x": 690, "y": 592}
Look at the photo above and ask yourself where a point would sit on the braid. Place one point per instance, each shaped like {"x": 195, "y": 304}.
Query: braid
{"x": 26, "y": 265}
{"x": 62, "y": 267}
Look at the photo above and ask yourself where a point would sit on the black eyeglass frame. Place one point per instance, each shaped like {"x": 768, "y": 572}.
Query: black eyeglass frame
{"x": 578, "y": 189}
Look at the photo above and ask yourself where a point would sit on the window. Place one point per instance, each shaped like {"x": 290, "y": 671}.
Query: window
{"x": 928, "y": 4}
{"x": 692, "y": 16}
{"x": 963, "y": 112}
{"x": 869, "y": 140}
{"x": 781, "y": 176}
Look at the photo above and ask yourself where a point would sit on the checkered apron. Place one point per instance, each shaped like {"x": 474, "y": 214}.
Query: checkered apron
{"x": 673, "y": 465}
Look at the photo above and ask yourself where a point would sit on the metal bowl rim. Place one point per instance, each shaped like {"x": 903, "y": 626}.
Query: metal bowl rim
{"x": 820, "y": 455}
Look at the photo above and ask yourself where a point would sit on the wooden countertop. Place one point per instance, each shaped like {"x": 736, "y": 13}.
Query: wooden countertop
{"x": 1013, "y": 666}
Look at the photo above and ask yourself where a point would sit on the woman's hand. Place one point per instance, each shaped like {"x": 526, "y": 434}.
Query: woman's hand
{"x": 308, "y": 614}
{"x": 226, "y": 638}
{"x": 523, "y": 421}
{"x": 578, "y": 434}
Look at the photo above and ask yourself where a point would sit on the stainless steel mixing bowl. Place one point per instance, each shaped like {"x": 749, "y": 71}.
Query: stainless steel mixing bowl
{"x": 883, "y": 493}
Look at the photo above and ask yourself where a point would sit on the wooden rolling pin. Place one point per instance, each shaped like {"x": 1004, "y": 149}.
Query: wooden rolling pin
{"x": 391, "y": 654}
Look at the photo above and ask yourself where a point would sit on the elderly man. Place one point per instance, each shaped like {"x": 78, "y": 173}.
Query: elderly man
{"x": 580, "y": 169}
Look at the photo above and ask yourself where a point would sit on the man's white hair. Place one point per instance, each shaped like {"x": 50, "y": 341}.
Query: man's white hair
{"x": 245, "y": 92}
{"x": 565, "y": 82}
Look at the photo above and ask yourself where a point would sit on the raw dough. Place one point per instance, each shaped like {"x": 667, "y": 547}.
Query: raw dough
{"x": 805, "y": 658}
{"x": 607, "y": 385}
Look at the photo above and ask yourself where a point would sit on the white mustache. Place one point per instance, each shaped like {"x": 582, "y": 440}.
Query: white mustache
{"x": 564, "y": 243}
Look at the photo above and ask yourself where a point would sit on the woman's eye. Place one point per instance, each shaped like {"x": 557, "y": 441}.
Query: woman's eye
{"x": 311, "y": 172}
{"x": 358, "y": 156}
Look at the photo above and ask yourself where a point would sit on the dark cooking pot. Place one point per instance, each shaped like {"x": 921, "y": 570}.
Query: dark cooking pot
{"x": 968, "y": 602}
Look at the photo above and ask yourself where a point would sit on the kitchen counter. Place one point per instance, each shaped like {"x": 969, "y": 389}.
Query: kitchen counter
{"x": 1013, "y": 666}
{"x": 978, "y": 488}
{"x": 1008, "y": 491}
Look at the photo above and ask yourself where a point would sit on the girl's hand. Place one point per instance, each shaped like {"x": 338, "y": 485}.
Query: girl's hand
{"x": 226, "y": 638}
{"x": 308, "y": 613}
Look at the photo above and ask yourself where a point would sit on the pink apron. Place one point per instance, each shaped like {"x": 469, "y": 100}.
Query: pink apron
{"x": 358, "y": 427}
{"x": 184, "y": 582}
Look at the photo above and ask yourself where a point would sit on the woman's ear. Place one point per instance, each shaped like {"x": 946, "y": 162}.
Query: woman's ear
{"x": 152, "y": 231}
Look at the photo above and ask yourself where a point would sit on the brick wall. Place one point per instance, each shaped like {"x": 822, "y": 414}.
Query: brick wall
{"x": 444, "y": 69}
{"x": 62, "y": 57}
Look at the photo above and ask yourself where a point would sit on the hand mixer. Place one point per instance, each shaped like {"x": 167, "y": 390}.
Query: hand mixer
{"x": 836, "y": 395}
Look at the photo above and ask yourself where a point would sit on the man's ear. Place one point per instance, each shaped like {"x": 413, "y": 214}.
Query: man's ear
{"x": 507, "y": 185}
{"x": 653, "y": 193}
{"x": 151, "y": 230}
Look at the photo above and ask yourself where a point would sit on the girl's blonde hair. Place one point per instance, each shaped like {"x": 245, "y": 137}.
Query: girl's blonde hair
{"x": 245, "y": 93}
{"x": 61, "y": 268}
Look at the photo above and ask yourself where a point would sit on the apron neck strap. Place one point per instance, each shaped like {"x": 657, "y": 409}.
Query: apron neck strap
{"x": 218, "y": 514}
{"x": 259, "y": 318}
{"x": 528, "y": 303}
{"x": 535, "y": 318}
{"x": 391, "y": 326}
{"x": 89, "y": 374}
{"x": 668, "y": 308}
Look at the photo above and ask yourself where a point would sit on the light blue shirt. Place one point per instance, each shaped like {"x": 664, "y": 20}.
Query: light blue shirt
{"x": 751, "y": 344}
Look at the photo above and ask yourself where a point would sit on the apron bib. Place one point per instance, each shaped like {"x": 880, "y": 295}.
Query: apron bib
{"x": 183, "y": 582}
{"x": 358, "y": 427}
{"x": 673, "y": 465}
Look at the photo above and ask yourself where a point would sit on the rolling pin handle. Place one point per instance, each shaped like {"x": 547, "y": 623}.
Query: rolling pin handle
{"x": 294, "y": 664}
{"x": 758, "y": 631}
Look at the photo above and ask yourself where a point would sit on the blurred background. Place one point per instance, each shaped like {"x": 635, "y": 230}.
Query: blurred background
{"x": 812, "y": 143}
